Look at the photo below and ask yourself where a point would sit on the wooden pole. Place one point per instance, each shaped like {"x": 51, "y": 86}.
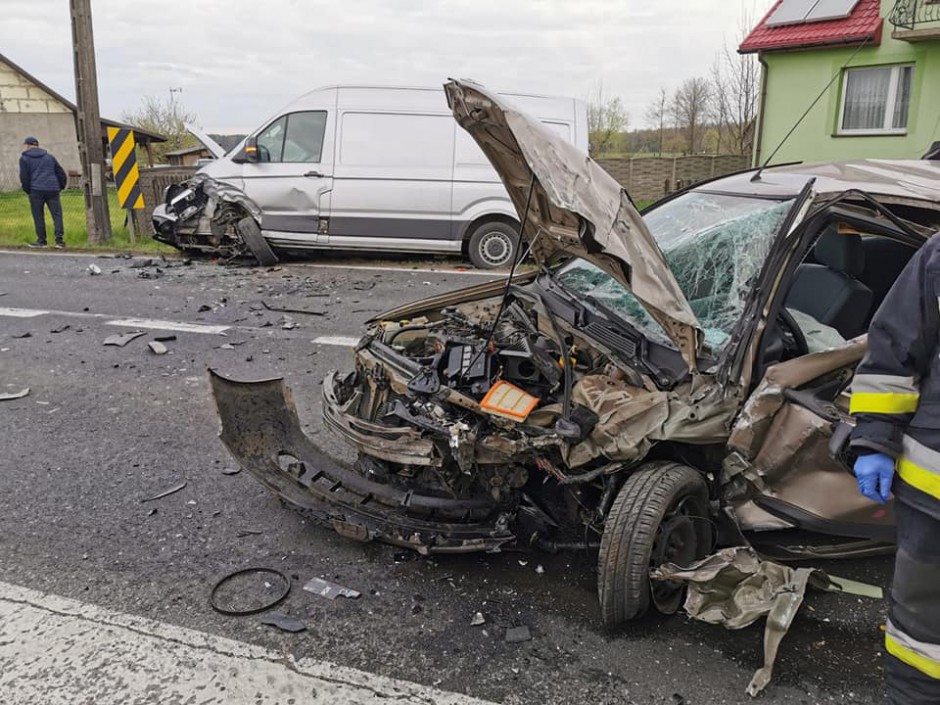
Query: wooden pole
{"x": 88, "y": 118}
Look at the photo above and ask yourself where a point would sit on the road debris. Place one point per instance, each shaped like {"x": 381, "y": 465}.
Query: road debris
{"x": 94, "y": 270}
{"x": 204, "y": 308}
{"x": 61, "y": 329}
{"x": 284, "y": 622}
{"x": 231, "y": 471}
{"x": 324, "y": 588}
{"x": 10, "y": 396}
{"x": 122, "y": 339}
{"x": 27, "y": 334}
{"x": 248, "y": 532}
{"x": 518, "y": 635}
{"x": 280, "y": 309}
{"x": 735, "y": 588}
{"x": 539, "y": 570}
{"x": 166, "y": 493}
{"x": 164, "y": 338}
{"x": 157, "y": 348}
{"x": 478, "y": 620}
{"x": 231, "y": 610}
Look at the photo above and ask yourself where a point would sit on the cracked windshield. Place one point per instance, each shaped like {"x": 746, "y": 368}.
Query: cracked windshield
{"x": 715, "y": 245}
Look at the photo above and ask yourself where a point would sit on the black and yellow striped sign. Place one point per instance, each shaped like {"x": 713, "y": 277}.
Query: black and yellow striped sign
{"x": 124, "y": 165}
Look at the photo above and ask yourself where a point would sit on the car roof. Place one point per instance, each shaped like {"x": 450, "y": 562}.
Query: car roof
{"x": 905, "y": 180}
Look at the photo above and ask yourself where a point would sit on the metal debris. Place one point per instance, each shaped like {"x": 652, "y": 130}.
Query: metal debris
{"x": 517, "y": 635}
{"x": 478, "y": 620}
{"x": 284, "y": 622}
{"x": 166, "y": 493}
{"x": 324, "y": 588}
{"x": 157, "y": 348}
{"x": 10, "y": 396}
{"x": 735, "y": 588}
{"x": 281, "y": 309}
{"x": 123, "y": 339}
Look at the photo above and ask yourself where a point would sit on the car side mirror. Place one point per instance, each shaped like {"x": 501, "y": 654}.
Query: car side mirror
{"x": 250, "y": 150}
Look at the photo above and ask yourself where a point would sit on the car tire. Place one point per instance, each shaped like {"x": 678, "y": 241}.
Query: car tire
{"x": 660, "y": 515}
{"x": 493, "y": 244}
{"x": 250, "y": 233}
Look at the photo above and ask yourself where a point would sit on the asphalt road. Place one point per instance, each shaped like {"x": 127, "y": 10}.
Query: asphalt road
{"x": 104, "y": 428}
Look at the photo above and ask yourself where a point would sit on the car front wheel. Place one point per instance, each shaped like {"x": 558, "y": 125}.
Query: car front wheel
{"x": 659, "y": 516}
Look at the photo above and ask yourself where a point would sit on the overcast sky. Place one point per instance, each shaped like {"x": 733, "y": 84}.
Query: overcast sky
{"x": 238, "y": 61}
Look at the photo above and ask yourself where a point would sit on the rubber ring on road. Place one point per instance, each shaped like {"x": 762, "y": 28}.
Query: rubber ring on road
{"x": 245, "y": 571}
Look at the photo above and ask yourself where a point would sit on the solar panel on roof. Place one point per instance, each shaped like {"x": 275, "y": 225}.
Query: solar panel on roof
{"x": 831, "y": 10}
{"x": 791, "y": 12}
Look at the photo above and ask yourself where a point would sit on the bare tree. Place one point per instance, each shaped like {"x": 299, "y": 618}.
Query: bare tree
{"x": 656, "y": 115}
{"x": 167, "y": 118}
{"x": 607, "y": 118}
{"x": 690, "y": 104}
{"x": 735, "y": 87}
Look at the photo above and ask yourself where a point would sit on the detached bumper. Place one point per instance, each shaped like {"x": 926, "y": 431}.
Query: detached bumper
{"x": 261, "y": 430}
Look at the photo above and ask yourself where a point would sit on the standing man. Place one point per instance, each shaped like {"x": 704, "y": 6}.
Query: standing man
{"x": 896, "y": 400}
{"x": 43, "y": 178}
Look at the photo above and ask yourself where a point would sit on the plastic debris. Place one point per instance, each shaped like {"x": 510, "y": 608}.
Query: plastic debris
{"x": 284, "y": 622}
{"x": 123, "y": 339}
{"x": 27, "y": 334}
{"x": 10, "y": 396}
{"x": 324, "y": 588}
{"x": 164, "y": 338}
{"x": 539, "y": 569}
{"x": 157, "y": 348}
{"x": 231, "y": 471}
{"x": 94, "y": 270}
{"x": 166, "y": 493}
{"x": 478, "y": 620}
{"x": 517, "y": 635}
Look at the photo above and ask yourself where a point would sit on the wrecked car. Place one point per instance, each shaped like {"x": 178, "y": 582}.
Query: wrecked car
{"x": 653, "y": 387}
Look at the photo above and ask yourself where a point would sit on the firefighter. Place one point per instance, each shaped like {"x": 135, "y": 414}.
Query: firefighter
{"x": 896, "y": 403}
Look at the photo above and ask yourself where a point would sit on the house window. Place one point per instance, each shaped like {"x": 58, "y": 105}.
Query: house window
{"x": 876, "y": 101}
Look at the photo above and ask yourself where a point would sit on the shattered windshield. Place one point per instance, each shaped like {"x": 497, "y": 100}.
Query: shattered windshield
{"x": 715, "y": 245}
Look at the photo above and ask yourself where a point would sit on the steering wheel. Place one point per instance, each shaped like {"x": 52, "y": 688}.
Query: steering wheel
{"x": 786, "y": 321}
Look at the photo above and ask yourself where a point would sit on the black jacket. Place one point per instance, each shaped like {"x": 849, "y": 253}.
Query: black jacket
{"x": 896, "y": 390}
{"x": 39, "y": 171}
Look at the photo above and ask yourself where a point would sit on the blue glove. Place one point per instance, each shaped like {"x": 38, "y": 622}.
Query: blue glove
{"x": 875, "y": 472}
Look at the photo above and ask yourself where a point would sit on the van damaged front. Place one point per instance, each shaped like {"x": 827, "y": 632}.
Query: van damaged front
{"x": 213, "y": 217}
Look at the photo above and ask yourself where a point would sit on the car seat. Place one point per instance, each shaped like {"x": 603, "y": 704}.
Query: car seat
{"x": 829, "y": 290}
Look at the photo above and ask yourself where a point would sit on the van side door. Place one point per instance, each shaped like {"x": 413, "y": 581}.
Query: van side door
{"x": 292, "y": 180}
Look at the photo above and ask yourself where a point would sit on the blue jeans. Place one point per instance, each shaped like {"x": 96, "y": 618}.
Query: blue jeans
{"x": 38, "y": 200}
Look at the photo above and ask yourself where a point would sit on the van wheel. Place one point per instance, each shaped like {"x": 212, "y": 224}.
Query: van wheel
{"x": 659, "y": 516}
{"x": 250, "y": 233}
{"x": 493, "y": 245}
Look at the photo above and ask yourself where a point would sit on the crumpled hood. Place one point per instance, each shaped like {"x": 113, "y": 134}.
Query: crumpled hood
{"x": 577, "y": 208}
{"x": 35, "y": 152}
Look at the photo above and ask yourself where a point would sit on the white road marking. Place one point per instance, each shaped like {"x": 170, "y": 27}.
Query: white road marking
{"x": 335, "y": 340}
{"x": 168, "y": 325}
{"x": 59, "y": 651}
{"x": 21, "y": 312}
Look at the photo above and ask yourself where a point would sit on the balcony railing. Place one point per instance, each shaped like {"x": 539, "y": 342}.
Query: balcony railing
{"x": 912, "y": 15}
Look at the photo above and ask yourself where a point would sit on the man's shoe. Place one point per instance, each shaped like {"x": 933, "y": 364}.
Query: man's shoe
{"x": 60, "y": 245}
{"x": 37, "y": 244}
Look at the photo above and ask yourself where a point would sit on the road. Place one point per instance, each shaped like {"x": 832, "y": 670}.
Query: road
{"x": 105, "y": 428}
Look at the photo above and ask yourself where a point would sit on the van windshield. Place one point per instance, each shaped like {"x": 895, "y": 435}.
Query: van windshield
{"x": 715, "y": 245}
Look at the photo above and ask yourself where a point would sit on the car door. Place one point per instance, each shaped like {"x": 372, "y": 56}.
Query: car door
{"x": 292, "y": 179}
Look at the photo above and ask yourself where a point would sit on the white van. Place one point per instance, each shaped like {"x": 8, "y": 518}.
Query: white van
{"x": 367, "y": 168}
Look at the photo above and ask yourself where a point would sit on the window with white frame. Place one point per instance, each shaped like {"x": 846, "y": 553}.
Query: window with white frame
{"x": 876, "y": 100}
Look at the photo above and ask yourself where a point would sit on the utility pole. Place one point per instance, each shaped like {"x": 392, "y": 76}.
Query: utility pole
{"x": 88, "y": 123}
{"x": 173, "y": 118}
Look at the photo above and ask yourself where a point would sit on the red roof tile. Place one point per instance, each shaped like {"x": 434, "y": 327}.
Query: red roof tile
{"x": 865, "y": 23}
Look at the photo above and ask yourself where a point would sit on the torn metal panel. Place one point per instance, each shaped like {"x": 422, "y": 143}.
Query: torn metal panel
{"x": 735, "y": 588}
{"x": 572, "y": 190}
{"x": 329, "y": 590}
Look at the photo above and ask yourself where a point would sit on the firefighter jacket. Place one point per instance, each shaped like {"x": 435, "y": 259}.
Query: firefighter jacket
{"x": 896, "y": 390}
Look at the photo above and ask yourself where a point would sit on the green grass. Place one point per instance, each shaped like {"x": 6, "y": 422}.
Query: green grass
{"x": 16, "y": 225}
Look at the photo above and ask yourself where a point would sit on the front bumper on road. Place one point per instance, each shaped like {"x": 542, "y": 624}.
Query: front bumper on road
{"x": 261, "y": 430}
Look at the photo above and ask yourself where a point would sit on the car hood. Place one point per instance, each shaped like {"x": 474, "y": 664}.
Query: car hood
{"x": 576, "y": 208}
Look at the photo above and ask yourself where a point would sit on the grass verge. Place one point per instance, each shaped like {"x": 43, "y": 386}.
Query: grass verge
{"x": 16, "y": 225}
